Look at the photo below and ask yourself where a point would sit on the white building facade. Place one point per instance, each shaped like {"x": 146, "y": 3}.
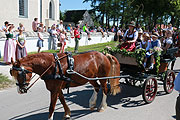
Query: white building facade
{"x": 24, "y": 11}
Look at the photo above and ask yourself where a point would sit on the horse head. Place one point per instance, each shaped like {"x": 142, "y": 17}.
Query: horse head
{"x": 22, "y": 75}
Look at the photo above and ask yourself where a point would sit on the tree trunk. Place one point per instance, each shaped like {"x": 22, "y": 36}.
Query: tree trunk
{"x": 106, "y": 19}
{"x": 172, "y": 20}
{"x": 114, "y": 20}
{"x": 102, "y": 22}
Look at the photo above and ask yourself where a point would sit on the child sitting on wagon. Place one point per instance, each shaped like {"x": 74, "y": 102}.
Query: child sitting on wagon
{"x": 146, "y": 42}
{"x": 154, "y": 43}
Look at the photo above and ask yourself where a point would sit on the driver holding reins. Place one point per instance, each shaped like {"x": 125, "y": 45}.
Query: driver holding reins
{"x": 130, "y": 38}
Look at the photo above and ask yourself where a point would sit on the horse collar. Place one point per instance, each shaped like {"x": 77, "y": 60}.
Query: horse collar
{"x": 61, "y": 75}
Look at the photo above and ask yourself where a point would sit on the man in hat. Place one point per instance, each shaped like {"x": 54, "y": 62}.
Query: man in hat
{"x": 130, "y": 38}
{"x": 154, "y": 43}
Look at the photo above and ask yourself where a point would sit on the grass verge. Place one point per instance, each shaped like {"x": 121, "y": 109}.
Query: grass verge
{"x": 97, "y": 47}
{"x": 5, "y": 82}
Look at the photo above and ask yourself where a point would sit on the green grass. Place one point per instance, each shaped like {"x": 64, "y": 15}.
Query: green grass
{"x": 96, "y": 47}
{"x": 5, "y": 81}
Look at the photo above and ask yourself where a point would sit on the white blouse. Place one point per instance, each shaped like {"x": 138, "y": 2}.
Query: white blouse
{"x": 135, "y": 34}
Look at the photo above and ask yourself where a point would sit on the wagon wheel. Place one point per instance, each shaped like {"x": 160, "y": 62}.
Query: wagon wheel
{"x": 149, "y": 89}
{"x": 169, "y": 81}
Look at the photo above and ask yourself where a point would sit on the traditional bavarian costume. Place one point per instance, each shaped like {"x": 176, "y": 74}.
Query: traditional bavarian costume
{"x": 145, "y": 44}
{"x": 129, "y": 37}
{"x": 155, "y": 43}
{"x": 165, "y": 42}
{"x": 9, "y": 48}
{"x": 20, "y": 52}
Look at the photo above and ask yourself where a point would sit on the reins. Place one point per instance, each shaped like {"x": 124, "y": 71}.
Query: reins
{"x": 45, "y": 72}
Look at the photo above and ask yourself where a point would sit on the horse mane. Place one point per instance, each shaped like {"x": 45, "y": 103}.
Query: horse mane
{"x": 85, "y": 52}
{"x": 32, "y": 57}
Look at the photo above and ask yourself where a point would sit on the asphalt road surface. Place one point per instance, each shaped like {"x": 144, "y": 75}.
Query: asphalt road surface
{"x": 128, "y": 105}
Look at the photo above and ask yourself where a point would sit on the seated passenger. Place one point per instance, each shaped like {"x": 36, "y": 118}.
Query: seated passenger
{"x": 146, "y": 42}
{"x": 140, "y": 38}
{"x": 154, "y": 43}
{"x": 168, "y": 41}
{"x": 130, "y": 38}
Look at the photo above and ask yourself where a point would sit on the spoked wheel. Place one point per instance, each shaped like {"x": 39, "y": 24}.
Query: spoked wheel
{"x": 149, "y": 89}
{"x": 169, "y": 81}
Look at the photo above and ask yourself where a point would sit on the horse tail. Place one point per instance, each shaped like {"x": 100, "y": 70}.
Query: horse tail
{"x": 114, "y": 71}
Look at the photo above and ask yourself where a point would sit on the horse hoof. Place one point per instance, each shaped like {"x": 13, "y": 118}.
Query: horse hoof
{"x": 92, "y": 109}
{"x": 101, "y": 109}
{"x": 67, "y": 117}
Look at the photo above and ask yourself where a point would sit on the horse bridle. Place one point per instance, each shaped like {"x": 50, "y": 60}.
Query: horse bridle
{"x": 22, "y": 74}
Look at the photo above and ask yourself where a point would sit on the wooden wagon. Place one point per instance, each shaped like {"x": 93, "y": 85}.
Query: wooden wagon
{"x": 147, "y": 79}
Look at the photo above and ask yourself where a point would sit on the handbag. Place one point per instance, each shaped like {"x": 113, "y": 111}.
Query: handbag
{"x": 59, "y": 44}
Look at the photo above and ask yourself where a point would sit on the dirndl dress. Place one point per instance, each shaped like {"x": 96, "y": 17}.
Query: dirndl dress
{"x": 9, "y": 48}
{"x": 20, "y": 52}
{"x": 128, "y": 46}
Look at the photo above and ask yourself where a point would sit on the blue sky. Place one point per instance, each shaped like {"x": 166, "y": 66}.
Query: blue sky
{"x": 74, "y": 5}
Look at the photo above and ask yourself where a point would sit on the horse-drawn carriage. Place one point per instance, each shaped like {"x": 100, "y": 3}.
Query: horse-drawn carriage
{"x": 60, "y": 71}
{"x": 147, "y": 79}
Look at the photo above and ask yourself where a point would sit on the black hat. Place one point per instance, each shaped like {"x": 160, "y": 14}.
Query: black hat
{"x": 132, "y": 23}
{"x": 155, "y": 34}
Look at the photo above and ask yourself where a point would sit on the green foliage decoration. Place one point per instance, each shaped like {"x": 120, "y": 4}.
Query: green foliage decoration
{"x": 139, "y": 54}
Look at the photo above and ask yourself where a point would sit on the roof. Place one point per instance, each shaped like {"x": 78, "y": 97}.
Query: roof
{"x": 72, "y": 13}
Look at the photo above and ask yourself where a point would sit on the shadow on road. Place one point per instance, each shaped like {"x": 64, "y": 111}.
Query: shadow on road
{"x": 75, "y": 114}
{"x": 81, "y": 98}
{"x": 3, "y": 64}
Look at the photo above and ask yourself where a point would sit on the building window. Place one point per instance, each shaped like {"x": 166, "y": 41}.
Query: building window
{"x": 50, "y": 10}
{"x": 23, "y": 8}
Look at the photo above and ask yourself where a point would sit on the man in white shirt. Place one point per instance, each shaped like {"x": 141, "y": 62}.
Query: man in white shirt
{"x": 5, "y": 26}
{"x": 60, "y": 26}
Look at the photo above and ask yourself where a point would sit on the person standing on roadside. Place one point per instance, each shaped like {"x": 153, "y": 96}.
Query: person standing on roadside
{"x": 5, "y": 26}
{"x": 54, "y": 35}
{"x": 77, "y": 38}
{"x": 20, "y": 46}
{"x": 40, "y": 39}
{"x": 177, "y": 88}
{"x": 85, "y": 29}
{"x": 62, "y": 41}
{"x": 61, "y": 26}
{"x": 9, "y": 47}
{"x": 35, "y": 25}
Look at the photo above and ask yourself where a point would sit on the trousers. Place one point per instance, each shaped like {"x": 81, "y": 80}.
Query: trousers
{"x": 178, "y": 108}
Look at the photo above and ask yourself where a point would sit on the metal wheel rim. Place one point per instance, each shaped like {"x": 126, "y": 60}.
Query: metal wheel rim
{"x": 170, "y": 81}
{"x": 151, "y": 89}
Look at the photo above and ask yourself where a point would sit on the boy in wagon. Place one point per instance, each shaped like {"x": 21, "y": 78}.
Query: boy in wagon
{"x": 154, "y": 43}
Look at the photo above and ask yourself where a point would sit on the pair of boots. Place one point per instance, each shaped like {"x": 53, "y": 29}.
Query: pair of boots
{"x": 150, "y": 67}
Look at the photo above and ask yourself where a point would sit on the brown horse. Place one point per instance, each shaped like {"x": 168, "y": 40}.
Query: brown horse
{"x": 90, "y": 64}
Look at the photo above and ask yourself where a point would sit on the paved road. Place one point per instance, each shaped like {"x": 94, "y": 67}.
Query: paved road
{"x": 125, "y": 106}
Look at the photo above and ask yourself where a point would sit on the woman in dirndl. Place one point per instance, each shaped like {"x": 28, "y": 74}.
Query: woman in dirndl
{"x": 20, "y": 46}
{"x": 9, "y": 47}
{"x": 130, "y": 38}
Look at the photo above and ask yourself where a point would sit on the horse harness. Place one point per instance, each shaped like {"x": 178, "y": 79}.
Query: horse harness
{"x": 61, "y": 75}
{"x": 70, "y": 60}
